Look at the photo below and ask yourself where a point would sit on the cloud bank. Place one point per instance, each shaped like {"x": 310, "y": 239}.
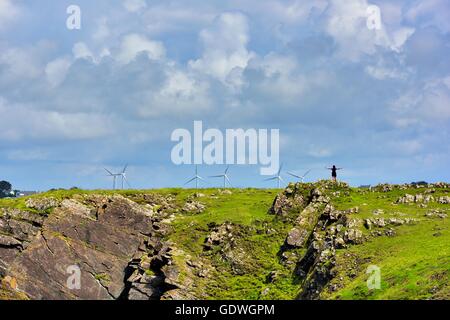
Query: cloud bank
{"x": 375, "y": 101}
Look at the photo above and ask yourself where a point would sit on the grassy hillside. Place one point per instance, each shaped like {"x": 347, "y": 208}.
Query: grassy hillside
{"x": 414, "y": 260}
{"x": 415, "y": 263}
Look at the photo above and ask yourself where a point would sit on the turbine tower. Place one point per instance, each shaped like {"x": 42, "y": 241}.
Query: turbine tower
{"x": 196, "y": 178}
{"x": 225, "y": 178}
{"x": 121, "y": 174}
{"x": 277, "y": 177}
{"x": 302, "y": 178}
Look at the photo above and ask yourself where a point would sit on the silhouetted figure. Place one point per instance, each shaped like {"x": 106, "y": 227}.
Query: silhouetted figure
{"x": 334, "y": 172}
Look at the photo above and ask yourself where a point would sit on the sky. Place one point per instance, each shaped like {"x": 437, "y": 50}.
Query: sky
{"x": 375, "y": 101}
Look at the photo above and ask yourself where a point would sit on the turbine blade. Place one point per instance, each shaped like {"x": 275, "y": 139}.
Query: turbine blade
{"x": 190, "y": 181}
{"x": 125, "y": 168}
{"x": 306, "y": 173}
{"x": 110, "y": 173}
{"x": 279, "y": 170}
{"x": 218, "y": 176}
{"x": 226, "y": 170}
{"x": 126, "y": 180}
{"x": 226, "y": 177}
{"x": 270, "y": 179}
{"x": 294, "y": 175}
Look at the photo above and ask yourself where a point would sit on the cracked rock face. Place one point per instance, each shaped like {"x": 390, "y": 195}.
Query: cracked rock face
{"x": 41, "y": 204}
{"x": 100, "y": 236}
{"x": 17, "y": 230}
{"x": 288, "y": 200}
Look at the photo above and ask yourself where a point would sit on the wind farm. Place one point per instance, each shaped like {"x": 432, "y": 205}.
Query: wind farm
{"x": 120, "y": 180}
{"x": 121, "y": 175}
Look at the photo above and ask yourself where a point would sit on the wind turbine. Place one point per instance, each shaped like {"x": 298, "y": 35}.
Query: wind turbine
{"x": 225, "y": 178}
{"x": 121, "y": 174}
{"x": 196, "y": 178}
{"x": 277, "y": 177}
{"x": 302, "y": 178}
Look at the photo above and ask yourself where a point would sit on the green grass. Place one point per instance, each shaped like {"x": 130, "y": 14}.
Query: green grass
{"x": 247, "y": 210}
{"x": 415, "y": 264}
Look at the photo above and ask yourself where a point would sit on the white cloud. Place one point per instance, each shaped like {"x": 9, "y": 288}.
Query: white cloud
{"x": 26, "y": 122}
{"x": 297, "y": 11}
{"x": 347, "y": 24}
{"x": 102, "y": 31}
{"x": 294, "y": 12}
{"x": 408, "y": 147}
{"x": 225, "y": 48}
{"x": 170, "y": 17}
{"x": 427, "y": 106}
{"x": 28, "y": 154}
{"x": 275, "y": 64}
{"x": 81, "y": 51}
{"x": 56, "y": 70}
{"x": 8, "y": 12}
{"x": 279, "y": 80}
{"x": 133, "y": 44}
{"x": 303, "y": 85}
{"x": 180, "y": 94}
{"x": 179, "y": 84}
{"x": 23, "y": 62}
{"x": 318, "y": 152}
{"x": 381, "y": 71}
{"x": 285, "y": 88}
{"x": 134, "y": 5}
{"x": 398, "y": 37}
{"x": 430, "y": 13}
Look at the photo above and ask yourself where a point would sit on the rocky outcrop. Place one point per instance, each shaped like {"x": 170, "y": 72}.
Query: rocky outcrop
{"x": 383, "y": 222}
{"x": 17, "y": 230}
{"x": 119, "y": 247}
{"x": 226, "y": 242}
{"x": 444, "y": 200}
{"x": 41, "y": 204}
{"x": 322, "y": 230}
{"x": 163, "y": 205}
{"x": 107, "y": 247}
{"x": 192, "y": 206}
{"x": 288, "y": 201}
{"x": 221, "y": 235}
{"x": 436, "y": 214}
{"x": 304, "y": 225}
{"x": 156, "y": 275}
{"x": 418, "y": 198}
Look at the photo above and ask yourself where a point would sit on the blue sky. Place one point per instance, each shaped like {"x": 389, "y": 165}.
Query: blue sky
{"x": 374, "y": 101}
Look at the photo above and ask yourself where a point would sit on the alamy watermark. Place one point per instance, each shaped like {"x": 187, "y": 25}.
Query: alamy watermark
{"x": 73, "y": 21}
{"x": 235, "y": 146}
{"x": 74, "y": 280}
{"x": 373, "y": 21}
{"x": 374, "y": 280}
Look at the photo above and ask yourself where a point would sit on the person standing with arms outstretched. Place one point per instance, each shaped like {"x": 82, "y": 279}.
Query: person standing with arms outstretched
{"x": 334, "y": 172}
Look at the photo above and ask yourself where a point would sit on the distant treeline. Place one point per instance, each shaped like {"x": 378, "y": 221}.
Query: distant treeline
{"x": 6, "y": 189}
